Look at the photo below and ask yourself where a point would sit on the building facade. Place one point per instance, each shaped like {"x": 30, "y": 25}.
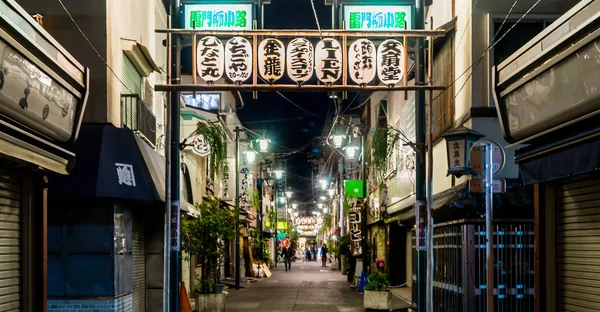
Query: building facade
{"x": 43, "y": 95}
{"x": 106, "y": 220}
{"x": 546, "y": 94}
{"x": 479, "y": 35}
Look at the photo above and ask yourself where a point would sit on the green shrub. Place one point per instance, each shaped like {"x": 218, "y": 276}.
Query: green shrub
{"x": 378, "y": 282}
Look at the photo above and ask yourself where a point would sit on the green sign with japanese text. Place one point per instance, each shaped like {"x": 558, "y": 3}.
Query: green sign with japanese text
{"x": 218, "y": 16}
{"x": 377, "y": 17}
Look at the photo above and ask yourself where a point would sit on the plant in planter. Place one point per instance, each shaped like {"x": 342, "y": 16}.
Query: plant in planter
{"x": 204, "y": 237}
{"x": 377, "y": 296}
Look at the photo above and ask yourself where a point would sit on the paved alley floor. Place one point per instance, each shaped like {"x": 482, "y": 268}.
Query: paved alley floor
{"x": 308, "y": 287}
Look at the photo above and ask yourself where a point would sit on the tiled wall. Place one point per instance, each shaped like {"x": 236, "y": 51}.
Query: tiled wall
{"x": 121, "y": 304}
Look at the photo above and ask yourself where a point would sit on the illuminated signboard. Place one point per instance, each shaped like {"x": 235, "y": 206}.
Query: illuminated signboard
{"x": 377, "y": 17}
{"x": 218, "y": 16}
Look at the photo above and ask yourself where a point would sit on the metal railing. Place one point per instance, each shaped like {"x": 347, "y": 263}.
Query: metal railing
{"x": 135, "y": 115}
{"x": 460, "y": 264}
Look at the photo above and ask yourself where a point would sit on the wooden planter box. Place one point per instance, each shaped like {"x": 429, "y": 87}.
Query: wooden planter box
{"x": 210, "y": 302}
{"x": 377, "y": 300}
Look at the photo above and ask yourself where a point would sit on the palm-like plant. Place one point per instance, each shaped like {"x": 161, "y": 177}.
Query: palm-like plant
{"x": 216, "y": 138}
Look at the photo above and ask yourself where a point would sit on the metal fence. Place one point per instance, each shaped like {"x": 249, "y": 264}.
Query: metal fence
{"x": 138, "y": 117}
{"x": 460, "y": 266}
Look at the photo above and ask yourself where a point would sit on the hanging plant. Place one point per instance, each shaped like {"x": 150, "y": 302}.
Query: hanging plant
{"x": 216, "y": 138}
{"x": 383, "y": 143}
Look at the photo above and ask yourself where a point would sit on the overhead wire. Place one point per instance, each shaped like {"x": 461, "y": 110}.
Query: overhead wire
{"x": 92, "y": 46}
{"x": 479, "y": 60}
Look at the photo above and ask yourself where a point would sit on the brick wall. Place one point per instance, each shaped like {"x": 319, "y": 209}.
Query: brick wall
{"x": 121, "y": 304}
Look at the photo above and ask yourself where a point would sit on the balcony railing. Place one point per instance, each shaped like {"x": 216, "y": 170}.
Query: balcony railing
{"x": 136, "y": 116}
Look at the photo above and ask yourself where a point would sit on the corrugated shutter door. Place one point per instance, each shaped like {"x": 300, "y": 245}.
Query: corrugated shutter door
{"x": 10, "y": 242}
{"x": 139, "y": 264}
{"x": 578, "y": 245}
{"x": 132, "y": 79}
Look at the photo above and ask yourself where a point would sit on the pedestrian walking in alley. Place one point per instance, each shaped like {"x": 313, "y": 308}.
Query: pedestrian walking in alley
{"x": 288, "y": 254}
{"x": 306, "y": 254}
{"x": 313, "y": 253}
{"x": 324, "y": 255}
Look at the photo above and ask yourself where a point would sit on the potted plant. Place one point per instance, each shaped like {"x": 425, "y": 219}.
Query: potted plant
{"x": 204, "y": 238}
{"x": 377, "y": 295}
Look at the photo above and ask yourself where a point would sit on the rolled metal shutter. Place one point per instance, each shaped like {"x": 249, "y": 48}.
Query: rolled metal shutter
{"x": 10, "y": 242}
{"x": 139, "y": 264}
{"x": 578, "y": 245}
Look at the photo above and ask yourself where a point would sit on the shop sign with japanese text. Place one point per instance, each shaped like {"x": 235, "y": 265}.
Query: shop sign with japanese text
{"x": 218, "y": 16}
{"x": 377, "y": 17}
{"x": 355, "y": 215}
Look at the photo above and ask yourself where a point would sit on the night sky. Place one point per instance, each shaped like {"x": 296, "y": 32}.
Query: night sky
{"x": 278, "y": 119}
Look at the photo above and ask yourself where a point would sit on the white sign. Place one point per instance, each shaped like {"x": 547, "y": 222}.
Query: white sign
{"x": 477, "y": 156}
{"x": 210, "y": 59}
{"x": 477, "y": 185}
{"x": 456, "y": 150}
{"x": 377, "y": 17}
{"x": 125, "y": 174}
{"x": 328, "y": 60}
{"x": 390, "y": 60}
{"x": 362, "y": 61}
{"x": 271, "y": 59}
{"x": 238, "y": 59}
{"x": 300, "y": 55}
{"x": 218, "y": 16}
{"x": 200, "y": 146}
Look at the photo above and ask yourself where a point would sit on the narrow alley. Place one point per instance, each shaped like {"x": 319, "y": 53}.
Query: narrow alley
{"x": 308, "y": 287}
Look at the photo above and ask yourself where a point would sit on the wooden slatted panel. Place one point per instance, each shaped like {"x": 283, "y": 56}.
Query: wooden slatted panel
{"x": 578, "y": 245}
{"x": 139, "y": 263}
{"x": 10, "y": 243}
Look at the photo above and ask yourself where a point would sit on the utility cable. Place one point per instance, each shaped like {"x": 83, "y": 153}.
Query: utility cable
{"x": 92, "y": 46}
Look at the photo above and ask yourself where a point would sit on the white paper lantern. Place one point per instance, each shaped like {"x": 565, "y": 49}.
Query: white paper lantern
{"x": 328, "y": 60}
{"x": 362, "y": 61}
{"x": 271, "y": 59}
{"x": 238, "y": 59}
{"x": 390, "y": 61}
{"x": 209, "y": 59}
{"x": 300, "y": 56}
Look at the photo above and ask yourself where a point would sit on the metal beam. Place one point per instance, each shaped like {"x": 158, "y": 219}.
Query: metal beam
{"x": 308, "y": 33}
{"x": 289, "y": 88}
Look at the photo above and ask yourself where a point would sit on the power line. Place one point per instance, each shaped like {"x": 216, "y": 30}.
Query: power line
{"x": 312, "y": 4}
{"x": 478, "y": 61}
{"x": 92, "y": 46}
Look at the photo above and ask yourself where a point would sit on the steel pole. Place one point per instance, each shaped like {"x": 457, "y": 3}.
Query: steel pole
{"x": 489, "y": 216}
{"x": 237, "y": 207}
{"x": 421, "y": 126}
{"x": 175, "y": 212}
{"x": 259, "y": 186}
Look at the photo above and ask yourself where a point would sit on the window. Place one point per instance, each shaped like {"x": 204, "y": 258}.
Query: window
{"x": 209, "y": 102}
{"x": 132, "y": 80}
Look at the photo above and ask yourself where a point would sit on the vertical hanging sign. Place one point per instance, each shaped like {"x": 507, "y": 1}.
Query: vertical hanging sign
{"x": 328, "y": 60}
{"x": 362, "y": 61}
{"x": 390, "y": 60}
{"x": 355, "y": 221}
{"x": 210, "y": 59}
{"x": 271, "y": 59}
{"x": 238, "y": 59}
{"x": 300, "y": 56}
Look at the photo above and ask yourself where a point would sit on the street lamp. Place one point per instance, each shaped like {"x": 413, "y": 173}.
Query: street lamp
{"x": 263, "y": 145}
{"x": 323, "y": 197}
{"x": 282, "y": 200}
{"x": 320, "y": 205}
{"x": 325, "y": 210}
{"x": 459, "y": 142}
{"x": 289, "y": 193}
{"x": 331, "y": 192}
{"x": 278, "y": 174}
{"x": 351, "y": 151}
{"x": 250, "y": 156}
{"x": 294, "y": 206}
{"x": 289, "y": 210}
{"x": 338, "y": 140}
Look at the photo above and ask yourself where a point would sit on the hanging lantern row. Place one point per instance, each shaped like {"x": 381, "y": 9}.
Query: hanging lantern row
{"x": 300, "y": 60}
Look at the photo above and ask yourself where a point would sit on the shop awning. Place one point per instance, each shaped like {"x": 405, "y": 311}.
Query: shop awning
{"x": 458, "y": 202}
{"x": 109, "y": 164}
{"x": 555, "y": 162}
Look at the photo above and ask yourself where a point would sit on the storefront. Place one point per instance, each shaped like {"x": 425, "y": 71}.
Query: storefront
{"x": 43, "y": 92}
{"x": 548, "y": 97}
